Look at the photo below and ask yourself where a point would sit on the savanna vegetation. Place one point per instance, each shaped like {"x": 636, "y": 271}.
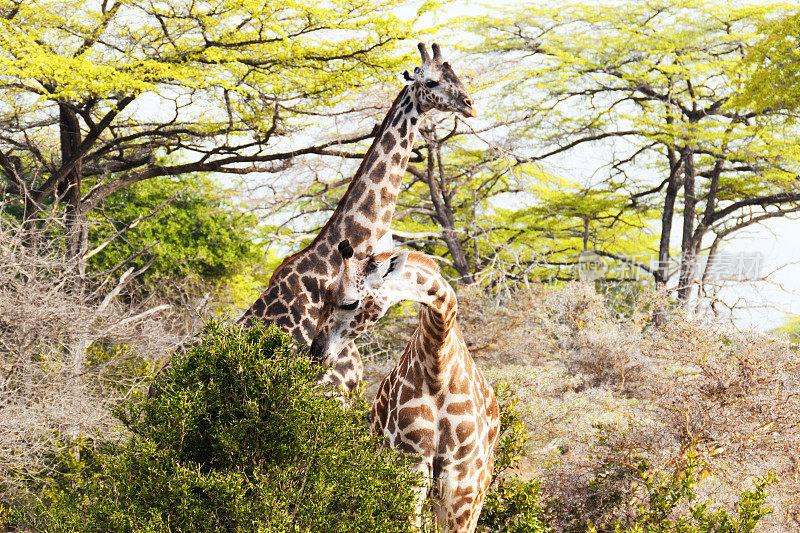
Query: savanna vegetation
{"x": 159, "y": 159}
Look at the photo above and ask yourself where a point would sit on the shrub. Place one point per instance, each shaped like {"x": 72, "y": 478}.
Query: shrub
{"x": 240, "y": 439}
{"x": 732, "y": 397}
{"x": 66, "y": 356}
{"x": 511, "y": 505}
{"x": 625, "y": 495}
{"x": 185, "y": 229}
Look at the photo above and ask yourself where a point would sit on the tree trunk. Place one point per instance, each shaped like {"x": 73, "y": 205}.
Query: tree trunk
{"x": 689, "y": 246}
{"x": 69, "y": 191}
{"x": 673, "y": 186}
{"x": 30, "y": 237}
{"x": 661, "y": 272}
{"x": 76, "y": 241}
{"x": 702, "y": 288}
{"x": 444, "y": 214}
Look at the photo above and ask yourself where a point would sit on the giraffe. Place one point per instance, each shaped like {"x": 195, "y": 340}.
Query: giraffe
{"x": 293, "y": 297}
{"x": 435, "y": 404}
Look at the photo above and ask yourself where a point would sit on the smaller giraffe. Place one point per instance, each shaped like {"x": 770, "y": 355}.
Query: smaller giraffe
{"x": 435, "y": 404}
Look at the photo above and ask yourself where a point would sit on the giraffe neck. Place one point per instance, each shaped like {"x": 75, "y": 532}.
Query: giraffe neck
{"x": 437, "y": 336}
{"x": 364, "y": 214}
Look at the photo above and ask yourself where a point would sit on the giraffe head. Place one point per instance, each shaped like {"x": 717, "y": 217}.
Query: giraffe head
{"x": 356, "y": 299}
{"x": 435, "y": 85}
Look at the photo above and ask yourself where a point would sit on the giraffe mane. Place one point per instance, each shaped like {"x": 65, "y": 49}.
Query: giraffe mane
{"x": 379, "y": 131}
{"x": 413, "y": 257}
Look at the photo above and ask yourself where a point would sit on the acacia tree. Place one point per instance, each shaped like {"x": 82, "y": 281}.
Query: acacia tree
{"x": 658, "y": 79}
{"x": 98, "y": 95}
{"x": 771, "y": 69}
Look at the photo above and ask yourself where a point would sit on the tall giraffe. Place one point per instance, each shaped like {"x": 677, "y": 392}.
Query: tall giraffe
{"x": 293, "y": 297}
{"x": 435, "y": 404}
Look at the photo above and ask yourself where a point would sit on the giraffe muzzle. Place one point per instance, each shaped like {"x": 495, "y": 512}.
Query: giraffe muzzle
{"x": 318, "y": 351}
{"x": 468, "y": 107}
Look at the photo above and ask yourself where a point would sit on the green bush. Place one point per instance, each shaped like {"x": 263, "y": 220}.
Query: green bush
{"x": 187, "y": 229}
{"x": 240, "y": 439}
{"x": 513, "y": 506}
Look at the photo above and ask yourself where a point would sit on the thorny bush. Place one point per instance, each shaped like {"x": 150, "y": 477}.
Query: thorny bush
{"x": 66, "y": 356}
{"x": 624, "y": 494}
{"x": 695, "y": 386}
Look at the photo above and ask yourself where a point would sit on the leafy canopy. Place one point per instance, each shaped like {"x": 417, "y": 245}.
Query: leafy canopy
{"x": 181, "y": 227}
{"x": 126, "y": 91}
{"x": 771, "y": 69}
{"x": 650, "y": 87}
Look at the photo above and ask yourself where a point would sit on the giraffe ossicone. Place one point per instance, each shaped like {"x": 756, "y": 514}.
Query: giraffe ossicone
{"x": 435, "y": 404}
{"x": 293, "y": 298}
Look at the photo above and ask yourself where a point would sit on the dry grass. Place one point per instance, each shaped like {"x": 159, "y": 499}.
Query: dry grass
{"x": 694, "y": 387}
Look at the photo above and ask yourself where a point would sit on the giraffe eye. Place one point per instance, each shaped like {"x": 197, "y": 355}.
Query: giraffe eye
{"x": 430, "y": 84}
{"x": 350, "y": 306}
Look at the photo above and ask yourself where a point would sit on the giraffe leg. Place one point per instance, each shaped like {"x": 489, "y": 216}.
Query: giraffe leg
{"x": 460, "y": 501}
{"x": 475, "y": 511}
{"x": 425, "y": 468}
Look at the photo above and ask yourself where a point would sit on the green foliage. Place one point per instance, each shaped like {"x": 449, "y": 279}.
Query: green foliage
{"x": 568, "y": 218}
{"x": 772, "y": 67}
{"x": 665, "y": 496}
{"x": 115, "y": 367}
{"x": 521, "y": 220}
{"x": 187, "y": 229}
{"x": 513, "y": 433}
{"x": 240, "y": 439}
{"x": 114, "y": 93}
{"x": 514, "y": 507}
{"x": 240, "y": 46}
{"x": 790, "y": 328}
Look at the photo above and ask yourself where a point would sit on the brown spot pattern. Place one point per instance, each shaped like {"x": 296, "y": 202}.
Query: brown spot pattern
{"x": 436, "y": 403}
{"x": 293, "y": 302}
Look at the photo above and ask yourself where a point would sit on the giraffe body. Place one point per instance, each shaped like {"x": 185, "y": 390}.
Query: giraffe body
{"x": 435, "y": 404}
{"x": 293, "y": 298}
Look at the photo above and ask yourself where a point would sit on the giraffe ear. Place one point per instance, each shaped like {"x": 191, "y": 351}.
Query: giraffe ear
{"x": 390, "y": 268}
